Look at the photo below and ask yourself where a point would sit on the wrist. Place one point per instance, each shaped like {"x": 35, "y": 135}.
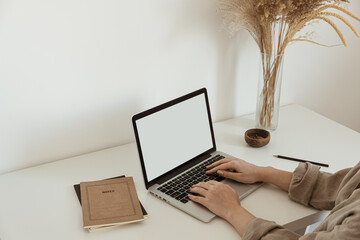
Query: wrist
{"x": 279, "y": 178}
{"x": 263, "y": 173}
{"x": 233, "y": 214}
{"x": 240, "y": 218}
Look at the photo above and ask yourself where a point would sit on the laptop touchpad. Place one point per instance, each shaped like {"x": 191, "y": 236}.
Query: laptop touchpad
{"x": 242, "y": 189}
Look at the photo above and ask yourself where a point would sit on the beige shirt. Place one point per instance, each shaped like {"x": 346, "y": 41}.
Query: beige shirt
{"x": 338, "y": 192}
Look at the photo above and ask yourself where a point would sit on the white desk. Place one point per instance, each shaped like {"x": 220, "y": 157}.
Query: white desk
{"x": 40, "y": 202}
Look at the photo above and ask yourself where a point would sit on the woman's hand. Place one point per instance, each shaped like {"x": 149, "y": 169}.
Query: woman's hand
{"x": 222, "y": 200}
{"x": 219, "y": 198}
{"x": 244, "y": 172}
{"x": 248, "y": 173}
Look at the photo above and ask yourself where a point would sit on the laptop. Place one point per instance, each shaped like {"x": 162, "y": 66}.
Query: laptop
{"x": 176, "y": 142}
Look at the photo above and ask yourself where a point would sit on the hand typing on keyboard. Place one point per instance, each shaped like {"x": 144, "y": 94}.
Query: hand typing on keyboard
{"x": 217, "y": 197}
{"x": 222, "y": 200}
{"x": 179, "y": 187}
{"x": 241, "y": 171}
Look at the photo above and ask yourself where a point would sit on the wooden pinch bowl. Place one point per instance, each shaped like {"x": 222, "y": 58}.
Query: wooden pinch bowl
{"x": 257, "y": 137}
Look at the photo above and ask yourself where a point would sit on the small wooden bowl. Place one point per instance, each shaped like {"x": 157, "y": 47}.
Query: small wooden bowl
{"x": 257, "y": 137}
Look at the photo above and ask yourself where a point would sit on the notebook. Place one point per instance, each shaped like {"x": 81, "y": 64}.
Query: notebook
{"x": 175, "y": 142}
{"x": 91, "y": 229}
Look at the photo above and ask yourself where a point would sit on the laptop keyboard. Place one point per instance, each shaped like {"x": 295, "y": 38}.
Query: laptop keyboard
{"x": 179, "y": 187}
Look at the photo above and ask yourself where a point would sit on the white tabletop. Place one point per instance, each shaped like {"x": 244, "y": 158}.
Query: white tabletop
{"x": 40, "y": 202}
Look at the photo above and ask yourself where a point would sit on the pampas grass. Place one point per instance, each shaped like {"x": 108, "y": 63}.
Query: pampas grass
{"x": 274, "y": 24}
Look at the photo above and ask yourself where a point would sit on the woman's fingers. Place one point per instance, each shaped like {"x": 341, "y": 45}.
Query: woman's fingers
{"x": 244, "y": 171}
{"x": 224, "y": 160}
{"x": 199, "y": 190}
{"x": 198, "y": 199}
{"x": 223, "y": 166}
{"x": 219, "y": 198}
{"x": 205, "y": 185}
{"x": 230, "y": 175}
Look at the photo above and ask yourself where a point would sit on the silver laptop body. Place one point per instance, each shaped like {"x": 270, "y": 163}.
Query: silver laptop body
{"x": 176, "y": 142}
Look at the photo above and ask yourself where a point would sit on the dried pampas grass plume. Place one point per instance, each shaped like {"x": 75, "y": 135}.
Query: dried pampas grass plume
{"x": 274, "y": 24}
{"x": 344, "y": 20}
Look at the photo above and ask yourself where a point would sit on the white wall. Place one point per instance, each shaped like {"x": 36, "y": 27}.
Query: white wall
{"x": 73, "y": 72}
{"x": 327, "y": 80}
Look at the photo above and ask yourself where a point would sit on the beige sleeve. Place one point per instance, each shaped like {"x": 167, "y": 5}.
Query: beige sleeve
{"x": 318, "y": 189}
{"x": 348, "y": 228}
{"x": 267, "y": 230}
{"x": 309, "y": 186}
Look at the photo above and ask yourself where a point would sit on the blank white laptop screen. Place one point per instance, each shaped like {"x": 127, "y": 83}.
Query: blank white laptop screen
{"x": 174, "y": 135}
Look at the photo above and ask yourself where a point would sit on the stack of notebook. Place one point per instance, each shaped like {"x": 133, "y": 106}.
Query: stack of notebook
{"x": 109, "y": 203}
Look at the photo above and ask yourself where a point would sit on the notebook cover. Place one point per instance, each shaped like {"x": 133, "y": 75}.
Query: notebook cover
{"x": 77, "y": 190}
{"x": 109, "y": 202}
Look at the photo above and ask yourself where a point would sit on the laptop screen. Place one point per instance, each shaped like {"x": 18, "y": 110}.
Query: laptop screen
{"x": 174, "y": 134}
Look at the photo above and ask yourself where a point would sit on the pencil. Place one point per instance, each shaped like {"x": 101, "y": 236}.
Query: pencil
{"x": 300, "y": 160}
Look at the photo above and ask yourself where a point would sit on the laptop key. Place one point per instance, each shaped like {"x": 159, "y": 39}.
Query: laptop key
{"x": 181, "y": 196}
{"x": 199, "y": 179}
{"x": 169, "y": 192}
{"x": 175, "y": 194}
{"x": 219, "y": 179}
